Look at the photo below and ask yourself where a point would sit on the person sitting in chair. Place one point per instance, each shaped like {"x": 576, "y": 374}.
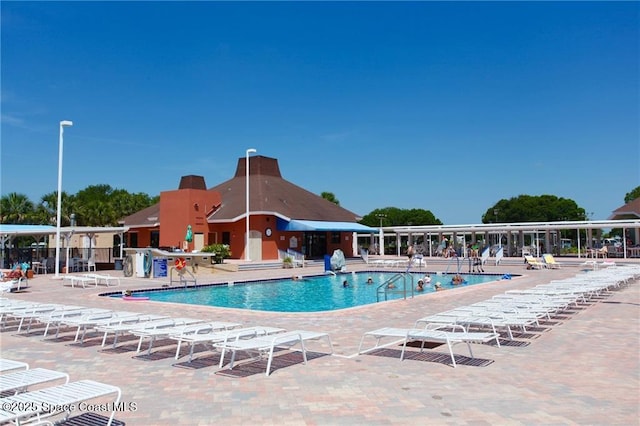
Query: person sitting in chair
{"x": 14, "y": 275}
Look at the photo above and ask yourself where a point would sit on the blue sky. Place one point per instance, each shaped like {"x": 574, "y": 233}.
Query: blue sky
{"x": 448, "y": 107}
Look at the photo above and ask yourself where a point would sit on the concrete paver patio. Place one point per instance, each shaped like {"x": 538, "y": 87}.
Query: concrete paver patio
{"x": 583, "y": 369}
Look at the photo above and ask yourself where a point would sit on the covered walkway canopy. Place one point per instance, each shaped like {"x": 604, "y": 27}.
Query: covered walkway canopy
{"x": 10, "y": 231}
{"x": 502, "y": 229}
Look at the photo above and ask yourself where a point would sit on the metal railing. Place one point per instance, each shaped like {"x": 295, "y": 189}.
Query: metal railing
{"x": 391, "y": 286}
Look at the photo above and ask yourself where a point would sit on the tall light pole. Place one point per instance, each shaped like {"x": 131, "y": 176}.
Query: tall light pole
{"x": 246, "y": 236}
{"x": 495, "y": 212}
{"x": 381, "y": 234}
{"x": 63, "y": 124}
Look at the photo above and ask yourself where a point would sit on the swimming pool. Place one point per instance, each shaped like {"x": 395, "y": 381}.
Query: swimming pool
{"x": 311, "y": 294}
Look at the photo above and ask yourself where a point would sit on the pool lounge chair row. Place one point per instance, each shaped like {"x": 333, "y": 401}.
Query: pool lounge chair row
{"x": 515, "y": 308}
{"x": 221, "y": 336}
{"x": 24, "y": 405}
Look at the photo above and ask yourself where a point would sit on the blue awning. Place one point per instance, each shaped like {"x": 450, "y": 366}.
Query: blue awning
{"x": 323, "y": 226}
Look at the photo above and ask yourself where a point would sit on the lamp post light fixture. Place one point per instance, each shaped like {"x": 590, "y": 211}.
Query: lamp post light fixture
{"x": 246, "y": 236}
{"x": 63, "y": 124}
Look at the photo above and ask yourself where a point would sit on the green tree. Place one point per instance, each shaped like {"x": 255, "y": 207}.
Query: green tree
{"x": 393, "y": 216}
{"x": 527, "y": 208}
{"x": 630, "y": 196}
{"x": 125, "y": 204}
{"x": 330, "y": 197}
{"x": 47, "y": 211}
{"x": 16, "y": 208}
{"x": 96, "y": 205}
{"x": 101, "y": 205}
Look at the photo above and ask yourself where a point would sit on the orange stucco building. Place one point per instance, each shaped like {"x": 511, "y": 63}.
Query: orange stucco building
{"x": 283, "y": 217}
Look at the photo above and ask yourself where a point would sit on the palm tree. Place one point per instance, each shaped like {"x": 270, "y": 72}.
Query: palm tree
{"x": 48, "y": 208}
{"x": 16, "y": 208}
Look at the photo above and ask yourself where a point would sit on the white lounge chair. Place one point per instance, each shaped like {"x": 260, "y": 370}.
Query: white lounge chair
{"x": 7, "y": 365}
{"x": 19, "y": 381}
{"x": 180, "y": 330}
{"x": 151, "y": 323}
{"x": 8, "y": 309}
{"x": 223, "y": 336}
{"x": 106, "y": 278}
{"x": 86, "y": 322}
{"x": 60, "y": 318}
{"x": 492, "y": 320}
{"x": 15, "y": 285}
{"x": 80, "y": 279}
{"x": 435, "y": 335}
{"x": 38, "y": 311}
{"x": 56, "y": 400}
{"x": 262, "y": 345}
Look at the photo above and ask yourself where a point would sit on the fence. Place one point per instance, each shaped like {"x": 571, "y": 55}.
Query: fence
{"x": 11, "y": 256}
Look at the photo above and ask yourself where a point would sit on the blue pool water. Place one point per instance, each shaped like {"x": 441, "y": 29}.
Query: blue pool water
{"x": 311, "y": 294}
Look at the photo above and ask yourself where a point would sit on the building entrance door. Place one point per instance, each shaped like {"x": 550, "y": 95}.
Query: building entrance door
{"x": 315, "y": 245}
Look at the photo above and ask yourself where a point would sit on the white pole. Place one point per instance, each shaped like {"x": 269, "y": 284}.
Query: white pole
{"x": 59, "y": 208}
{"x": 246, "y": 236}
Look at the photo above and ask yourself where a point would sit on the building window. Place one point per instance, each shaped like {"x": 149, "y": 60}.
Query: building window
{"x": 226, "y": 238}
{"x": 155, "y": 239}
{"x": 335, "y": 238}
{"x": 133, "y": 240}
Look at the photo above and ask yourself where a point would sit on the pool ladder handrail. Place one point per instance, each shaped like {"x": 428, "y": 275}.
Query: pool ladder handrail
{"x": 181, "y": 279}
{"x": 395, "y": 278}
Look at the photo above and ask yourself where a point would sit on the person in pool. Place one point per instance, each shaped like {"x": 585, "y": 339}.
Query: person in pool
{"x": 369, "y": 280}
{"x": 438, "y": 286}
{"x": 457, "y": 279}
{"x": 420, "y": 286}
{"x": 345, "y": 284}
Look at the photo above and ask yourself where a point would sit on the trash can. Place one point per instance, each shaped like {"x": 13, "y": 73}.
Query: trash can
{"x": 118, "y": 264}
{"x": 327, "y": 263}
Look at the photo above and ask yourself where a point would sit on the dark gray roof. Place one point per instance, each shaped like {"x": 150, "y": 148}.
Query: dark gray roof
{"x": 144, "y": 218}
{"x": 631, "y": 210}
{"x": 269, "y": 194}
